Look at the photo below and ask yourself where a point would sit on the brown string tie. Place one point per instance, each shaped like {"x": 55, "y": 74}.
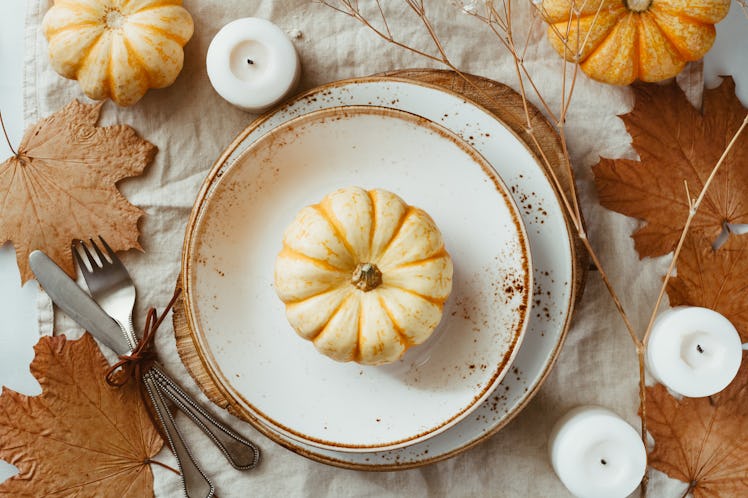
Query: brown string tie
{"x": 140, "y": 360}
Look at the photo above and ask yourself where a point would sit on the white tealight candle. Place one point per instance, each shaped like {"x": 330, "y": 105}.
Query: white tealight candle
{"x": 596, "y": 454}
{"x": 694, "y": 351}
{"x": 252, "y": 64}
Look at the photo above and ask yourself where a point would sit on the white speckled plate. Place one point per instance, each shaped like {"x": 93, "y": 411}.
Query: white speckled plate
{"x": 547, "y": 231}
{"x": 282, "y": 380}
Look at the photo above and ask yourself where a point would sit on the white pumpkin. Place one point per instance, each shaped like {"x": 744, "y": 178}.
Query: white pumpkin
{"x": 118, "y": 49}
{"x": 363, "y": 275}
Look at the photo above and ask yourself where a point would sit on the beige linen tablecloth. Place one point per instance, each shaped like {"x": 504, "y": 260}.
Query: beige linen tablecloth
{"x": 191, "y": 125}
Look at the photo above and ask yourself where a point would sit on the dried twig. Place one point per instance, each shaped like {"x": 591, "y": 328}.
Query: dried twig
{"x": 498, "y": 17}
{"x": 744, "y": 6}
{"x": 694, "y": 207}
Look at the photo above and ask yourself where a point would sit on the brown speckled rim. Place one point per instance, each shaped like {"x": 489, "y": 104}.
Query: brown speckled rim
{"x": 521, "y": 309}
{"x": 290, "y": 444}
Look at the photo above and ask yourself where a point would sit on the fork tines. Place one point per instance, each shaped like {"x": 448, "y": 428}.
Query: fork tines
{"x": 101, "y": 260}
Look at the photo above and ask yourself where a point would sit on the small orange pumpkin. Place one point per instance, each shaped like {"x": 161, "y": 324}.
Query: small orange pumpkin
{"x": 619, "y": 41}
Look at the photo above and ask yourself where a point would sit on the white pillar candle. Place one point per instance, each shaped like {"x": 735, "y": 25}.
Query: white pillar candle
{"x": 694, "y": 351}
{"x": 252, "y": 64}
{"x": 596, "y": 454}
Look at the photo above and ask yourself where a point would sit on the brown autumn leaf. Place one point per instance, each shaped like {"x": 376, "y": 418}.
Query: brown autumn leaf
{"x": 677, "y": 143}
{"x": 714, "y": 279}
{"x": 80, "y": 436}
{"x": 702, "y": 441}
{"x": 61, "y": 186}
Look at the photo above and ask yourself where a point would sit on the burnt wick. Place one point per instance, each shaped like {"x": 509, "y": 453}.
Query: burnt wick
{"x": 250, "y": 61}
{"x": 699, "y": 348}
{"x": 602, "y": 461}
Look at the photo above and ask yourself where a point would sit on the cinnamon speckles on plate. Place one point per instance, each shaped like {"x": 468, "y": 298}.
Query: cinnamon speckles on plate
{"x": 547, "y": 235}
{"x": 240, "y": 230}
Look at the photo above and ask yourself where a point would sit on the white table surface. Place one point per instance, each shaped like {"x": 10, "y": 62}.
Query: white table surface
{"x": 18, "y": 328}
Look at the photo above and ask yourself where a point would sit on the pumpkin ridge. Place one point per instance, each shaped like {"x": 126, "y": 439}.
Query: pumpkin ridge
{"x": 565, "y": 18}
{"x": 156, "y": 46}
{"x": 669, "y": 38}
{"x": 334, "y": 223}
{"x": 373, "y": 224}
{"x": 87, "y": 54}
{"x": 404, "y": 340}
{"x": 158, "y": 31}
{"x": 664, "y": 10}
{"x": 109, "y": 82}
{"x": 605, "y": 36}
{"x": 359, "y": 328}
{"x": 657, "y": 13}
{"x": 81, "y": 60}
{"x": 332, "y": 315}
{"x": 333, "y": 288}
{"x": 409, "y": 211}
{"x": 157, "y": 5}
{"x": 317, "y": 262}
{"x": 76, "y": 6}
{"x": 432, "y": 300}
{"x": 621, "y": 12}
{"x": 82, "y": 24}
{"x": 441, "y": 253}
{"x": 665, "y": 36}
{"x": 614, "y": 29}
{"x": 132, "y": 52}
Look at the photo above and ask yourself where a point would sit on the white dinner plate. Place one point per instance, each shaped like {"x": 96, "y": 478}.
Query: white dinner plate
{"x": 279, "y": 378}
{"x": 547, "y": 231}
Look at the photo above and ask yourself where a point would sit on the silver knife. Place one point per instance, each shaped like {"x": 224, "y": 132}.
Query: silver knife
{"x": 81, "y": 307}
{"x": 74, "y": 301}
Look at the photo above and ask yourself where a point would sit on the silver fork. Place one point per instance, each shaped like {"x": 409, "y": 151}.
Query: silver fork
{"x": 111, "y": 286}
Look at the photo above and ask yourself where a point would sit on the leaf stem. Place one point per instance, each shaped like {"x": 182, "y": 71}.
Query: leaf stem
{"x": 2, "y": 123}
{"x": 161, "y": 464}
{"x": 640, "y": 351}
{"x": 691, "y": 486}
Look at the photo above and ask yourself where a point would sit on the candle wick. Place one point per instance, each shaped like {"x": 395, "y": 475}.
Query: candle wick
{"x": 699, "y": 348}
{"x": 602, "y": 461}
{"x": 250, "y": 61}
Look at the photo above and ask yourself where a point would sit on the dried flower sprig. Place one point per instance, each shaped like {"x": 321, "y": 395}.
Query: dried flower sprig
{"x": 498, "y": 17}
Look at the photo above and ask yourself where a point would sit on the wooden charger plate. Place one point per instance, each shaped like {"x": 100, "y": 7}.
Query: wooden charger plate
{"x": 506, "y": 105}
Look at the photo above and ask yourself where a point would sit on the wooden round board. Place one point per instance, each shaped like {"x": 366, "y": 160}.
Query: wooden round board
{"x": 508, "y": 107}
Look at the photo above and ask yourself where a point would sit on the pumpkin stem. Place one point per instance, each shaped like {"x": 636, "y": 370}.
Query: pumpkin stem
{"x": 366, "y": 277}
{"x": 114, "y": 19}
{"x": 638, "y": 5}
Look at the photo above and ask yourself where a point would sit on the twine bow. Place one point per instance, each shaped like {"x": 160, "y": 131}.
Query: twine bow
{"x": 140, "y": 360}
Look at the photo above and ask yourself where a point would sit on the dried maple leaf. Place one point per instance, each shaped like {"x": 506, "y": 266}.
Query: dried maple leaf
{"x": 702, "y": 441}
{"x": 80, "y": 437}
{"x": 714, "y": 279}
{"x": 61, "y": 186}
{"x": 677, "y": 143}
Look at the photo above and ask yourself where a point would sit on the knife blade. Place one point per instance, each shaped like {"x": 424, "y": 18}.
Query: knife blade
{"x": 82, "y": 308}
{"x": 76, "y": 303}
